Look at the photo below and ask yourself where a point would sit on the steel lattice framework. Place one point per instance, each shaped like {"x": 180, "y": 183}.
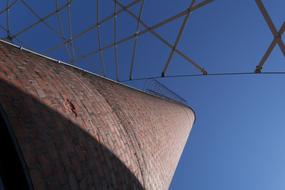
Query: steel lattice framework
{"x": 142, "y": 28}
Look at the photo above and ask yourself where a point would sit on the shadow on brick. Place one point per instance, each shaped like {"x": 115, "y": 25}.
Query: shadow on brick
{"x": 53, "y": 152}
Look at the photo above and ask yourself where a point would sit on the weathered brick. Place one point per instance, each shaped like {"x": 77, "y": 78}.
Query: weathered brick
{"x": 81, "y": 131}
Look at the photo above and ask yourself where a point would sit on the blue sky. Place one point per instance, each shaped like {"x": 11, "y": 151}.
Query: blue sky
{"x": 237, "y": 141}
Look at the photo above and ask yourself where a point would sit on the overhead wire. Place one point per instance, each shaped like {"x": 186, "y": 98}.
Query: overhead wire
{"x": 209, "y": 74}
{"x": 70, "y": 42}
{"x": 151, "y": 30}
{"x": 165, "y": 21}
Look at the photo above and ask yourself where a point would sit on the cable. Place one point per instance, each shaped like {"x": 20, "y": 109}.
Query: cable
{"x": 151, "y": 30}
{"x": 165, "y": 21}
{"x": 209, "y": 74}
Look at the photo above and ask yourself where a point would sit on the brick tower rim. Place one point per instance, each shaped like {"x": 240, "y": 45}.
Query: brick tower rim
{"x": 95, "y": 74}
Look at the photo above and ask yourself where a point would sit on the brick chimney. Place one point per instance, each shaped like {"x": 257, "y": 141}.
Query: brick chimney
{"x": 75, "y": 130}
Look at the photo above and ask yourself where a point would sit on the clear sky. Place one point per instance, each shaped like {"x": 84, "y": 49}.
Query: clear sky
{"x": 238, "y": 139}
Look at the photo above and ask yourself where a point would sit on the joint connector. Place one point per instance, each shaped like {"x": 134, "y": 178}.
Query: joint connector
{"x": 204, "y": 72}
{"x": 258, "y": 69}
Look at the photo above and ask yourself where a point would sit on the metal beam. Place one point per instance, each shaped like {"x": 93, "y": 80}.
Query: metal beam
{"x": 170, "y": 19}
{"x": 61, "y": 30}
{"x": 270, "y": 48}
{"x": 179, "y": 35}
{"x": 270, "y": 24}
{"x": 146, "y": 30}
{"x": 90, "y": 28}
{"x": 40, "y": 20}
{"x": 135, "y": 41}
{"x": 101, "y": 51}
{"x": 116, "y": 60}
{"x": 151, "y": 30}
{"x": 8, "y": 7}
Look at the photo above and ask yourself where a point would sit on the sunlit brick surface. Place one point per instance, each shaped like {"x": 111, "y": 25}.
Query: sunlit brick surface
{"x": 79, "y": 131}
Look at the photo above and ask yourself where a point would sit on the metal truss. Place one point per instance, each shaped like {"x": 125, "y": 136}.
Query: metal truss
{"x": 115, "y": 42}
{"x": 92, "y": 27}
{"x": 277, "y": 36}
{"x": 135, "y": 41}
{"x": 119, "y": 8}
{"x": 177, "y": 39}
{"x": 40, "y": 20}
{"x": 151, "y": 29}
{"x": 67, "y": 40}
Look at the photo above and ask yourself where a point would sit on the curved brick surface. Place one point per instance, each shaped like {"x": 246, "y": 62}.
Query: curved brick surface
{"x": 80, "y": 131}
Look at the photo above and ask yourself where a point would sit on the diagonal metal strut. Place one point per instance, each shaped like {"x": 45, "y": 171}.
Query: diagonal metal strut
{"x": 135, "y": 41}
{"x": 92, "y": 27}
{"x": 172, "y": 18}
{"x": 269, "y": 50}
{"x": 40, "y": 20}
{"x": 151, "y": 30}
{"x": 177, "y": 39}
{"x": 270, "y": 25}
{"x": 276, "y": 34}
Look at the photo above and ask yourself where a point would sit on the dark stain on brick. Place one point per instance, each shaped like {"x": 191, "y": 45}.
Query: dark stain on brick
{"x": 70, "y": 107}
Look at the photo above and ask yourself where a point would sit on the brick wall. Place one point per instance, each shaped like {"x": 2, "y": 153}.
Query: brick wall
{"x": 81, "y": 131}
